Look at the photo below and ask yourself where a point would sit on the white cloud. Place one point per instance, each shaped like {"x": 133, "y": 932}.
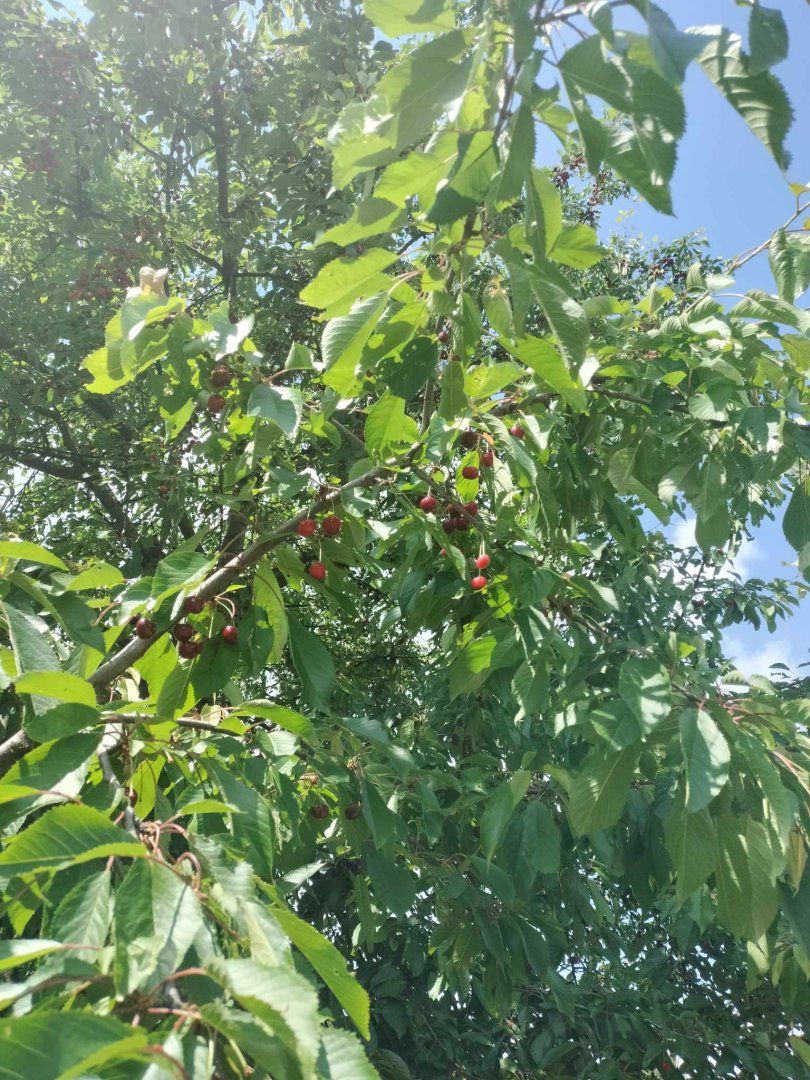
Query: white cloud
{"x": 756, "y": 659}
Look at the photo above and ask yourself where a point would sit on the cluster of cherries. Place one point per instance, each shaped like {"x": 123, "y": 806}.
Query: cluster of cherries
{"x": 330, "y": 526}
{"x": 221, "y": 377}
{"x": 183, "y": 632}
{"x": 320, "y": 811}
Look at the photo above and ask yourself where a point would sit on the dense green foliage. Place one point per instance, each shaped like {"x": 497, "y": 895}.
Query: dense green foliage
{"x": 415, "y": 815}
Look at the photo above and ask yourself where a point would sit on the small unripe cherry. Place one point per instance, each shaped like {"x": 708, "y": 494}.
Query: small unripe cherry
{"x": 215, "y": 403}
{"x": 487, "y": 459}
{"x": 352, "y": 811}
{"x": 230, "y": 634}
{"x": 468, "y": 439}
{"x": 428, "y": 503}
{"x": 449, "y": 525}
{"x": 320, "y": 811}
{"x": 516, "y": 431}
{"x": 331, "y": 525}
{"x": 187, "y": 650}
{"x": 193, "y": 605}
{"x": 183, "y": 631}
{"x": 482, "y": 561}
{"x": 317, "y": 570}
{"x": 478, "y": 582}
{"x": 471, "y": 508}
{"x": 307, "y": 527}
{"x": 221, "y": 375}
{"x": 469, "y": 472}
{"x": 145, "y": 628}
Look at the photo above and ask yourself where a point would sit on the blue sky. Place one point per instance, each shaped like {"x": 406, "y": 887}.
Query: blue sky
{"x": 728, "y": 185}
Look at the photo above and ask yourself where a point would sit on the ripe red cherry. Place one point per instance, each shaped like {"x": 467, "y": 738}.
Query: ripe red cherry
{"x": 188, "y": 649}
{"x": 469, "y": 472}
{"x": 215, "y": 403}
{"x": 183, "y": 631}
{"x": 449, "y": 525}
{"x": 468, "y": 439}
{"x": 145, "y": 628}
{"x": 443, "y": 335}
{"x": 317, "y": 570}
{"x": 665, "y": 1066}
{"x": 516, "y": 431}
{"x": 193, "y": 605}
{"x": 331, "y": 525}
{"x": 461, "y": 524}
{"x": 483, "y": 561}
{"x": 221, "y": 375}
{"x": 359, "y": 249}
{"x": 478, "y": 582}
{"x": 320, "y": 811}
{"x": 487, "y": 458}
{"x": 471, "y": 508}
{"x": 352, "y": 811}
{"x": 230, "y": 634}
{"x": 163, "y": 489}
{"x": 306, "y": 527}
{"x": 428, "y": 503}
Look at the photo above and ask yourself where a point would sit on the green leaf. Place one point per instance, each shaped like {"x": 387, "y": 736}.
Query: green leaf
{"x": 65, "y": 1045}
{"x": 299, "y": 358}
{"x": 383, "y": 823}
{"x": 672, "y": 49}
{"x": 342, "y": 1058}
{"x": 59, "y": 685}
{"x": 452, "y": 399}
{"x": 14, "y": 953}
{"x": 406, "y": 102}
{"x": 394, "y": 886}
{"x": 621, "y": 473}
{"x": 85, "y": 915}
{"x": 22, "y": 549}
{"x": 281, "y": 405}
{"x": 541, "y": 837}
{"x": 371, "y": 217}
{"x": 396, "y": 17}
{"x": 562, "y": 312}
{"x": 330, "y": 965}
{"x": 29, "y": 640}
{"x": 518, "y": 159}
{"x": 285, "y": 718}
{"x": 65, "y": 836}
{"x": 347, "y": 279}
{"x": 768, "y": 38}
{"x": 691, "y": 845}
{"x": 756, "y": 95}
{"x": 747, "y": 900}
{"x": 343, "y": 342}
{"x": 577, "y": 247}
{"x": 472, "y": 174}
{"x": 706, "y": 758}
{"x": 644, "y": 686}
{"x": 178, "y": 571}
{"x": 499, "y": 810}
{"x": 599, "y": 791}
{"x": 267, "y": 595}
{"x": 487, "y": 379}
{"x": 789, "y": 256}
{"x": 98, "y": 576}
{"x": 157, "y": 917}
{"x": 282, "y": 999}
{"x": 176, "y": 694}
{"x": 388, "y": 427}
{"x": 796, "y": 521}
{"x": 226, "y": 337}
{"x": 545, "y": 360}
{"x": 49, "y": 773}
{"x": 314, "y": 664}
{"x": 418, "y": 173}
{"x": 544, "y": 220}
